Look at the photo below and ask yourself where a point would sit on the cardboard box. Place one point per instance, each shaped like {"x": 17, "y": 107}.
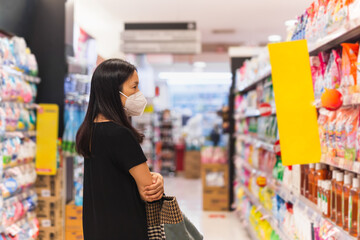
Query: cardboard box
{"x": 50, "y": 212}
{"x": 215, "y": 181}
{"x": 192, "y": 164}
{"x": 73, "y": 218}
{"x": 51, "y": 233}
{"x": 50, "y": 185}
{"x": 74, "y": 235}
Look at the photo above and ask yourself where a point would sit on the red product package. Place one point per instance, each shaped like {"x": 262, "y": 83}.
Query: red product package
{"x": 333, "y": 71}
{"x": 349, "y": 64}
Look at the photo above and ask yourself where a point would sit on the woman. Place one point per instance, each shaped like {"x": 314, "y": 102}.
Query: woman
{"x": 117, "y": 179}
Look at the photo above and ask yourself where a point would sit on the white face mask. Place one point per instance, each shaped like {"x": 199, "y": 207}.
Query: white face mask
{"x": 135, "y": 104}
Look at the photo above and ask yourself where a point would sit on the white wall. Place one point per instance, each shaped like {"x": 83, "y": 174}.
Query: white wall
{"x": 91, "y": 16}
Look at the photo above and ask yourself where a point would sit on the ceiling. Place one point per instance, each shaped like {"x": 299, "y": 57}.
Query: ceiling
{"x": 247, "y": 22}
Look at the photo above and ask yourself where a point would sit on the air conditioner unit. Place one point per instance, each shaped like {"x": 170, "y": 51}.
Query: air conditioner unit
{"x": 162, "y": 47}
{"x": 170, "y": 38}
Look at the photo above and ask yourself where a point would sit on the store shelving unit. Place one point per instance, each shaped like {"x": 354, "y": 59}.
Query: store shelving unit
{"x": 268, "y": 215}
{"x": 349, "y": 34}
{"x": 291, "y": 196}
{"x": 252, "y": 84}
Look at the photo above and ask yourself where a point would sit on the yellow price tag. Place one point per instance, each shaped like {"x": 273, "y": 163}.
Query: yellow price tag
{"x": 294, "y": 97}
{"x": 47, "y": 126}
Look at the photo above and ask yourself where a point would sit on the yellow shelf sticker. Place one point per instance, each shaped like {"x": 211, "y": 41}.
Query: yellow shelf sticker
{"x": 294, "y": 97}
{"x": 47, "y": 125}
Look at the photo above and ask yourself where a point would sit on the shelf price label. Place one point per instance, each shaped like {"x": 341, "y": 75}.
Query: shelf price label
{"x": 294, "y": 95}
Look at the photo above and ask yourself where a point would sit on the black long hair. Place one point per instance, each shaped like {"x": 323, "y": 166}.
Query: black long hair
{"x": 106, "y": 82}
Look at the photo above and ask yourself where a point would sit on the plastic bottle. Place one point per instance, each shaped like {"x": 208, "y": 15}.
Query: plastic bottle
{"x": 345, "y": 201}
{"x": 319, "y": 194}
{"x": 339, "y": 189}
{"x": 303, "y": 176}
{"x": 333, "y": 196}
{"x": 311, "y": 181}
{"x": 354, "y": 208}
{"x": 320, "y": 174}
{"x": 306, "y": 181}
{"x": 326, "y": 199}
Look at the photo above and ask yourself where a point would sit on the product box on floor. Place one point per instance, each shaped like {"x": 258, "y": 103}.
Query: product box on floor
{"x": 50, "y": 212}
{"x": 51, "y": 233}
{"x": 50, "y": 185}
{"x": 73, "y": 218}
{"x": 192, "y": 164}
{"x": 215, "y": 181}
{"x": 76, "y": 235}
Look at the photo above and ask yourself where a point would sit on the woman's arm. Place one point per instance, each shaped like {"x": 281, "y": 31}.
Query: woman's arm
{"x": 156, "y": 190}
{"x": 143, "y": 178}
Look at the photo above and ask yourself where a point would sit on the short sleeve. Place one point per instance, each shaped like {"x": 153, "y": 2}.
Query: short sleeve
{"x": 128, "y": 152}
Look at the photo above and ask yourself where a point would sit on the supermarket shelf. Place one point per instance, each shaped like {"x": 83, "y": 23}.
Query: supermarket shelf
{"x": 257, "y": 143}
{"x": 348, "y": 100}
{"x": 18, "y": 164}
{"x": 290, "y": 196}
{"x": 20, "y": 105}
{"x": 253, "y": 84}
{"x": 24, "y": 76}
{"x": 20, "y": 134}
{"x": 341, "y": 163}
{"x": 266, "y": 213}
{"x": 349, "y": 33}
{"x": 252, "y": 113}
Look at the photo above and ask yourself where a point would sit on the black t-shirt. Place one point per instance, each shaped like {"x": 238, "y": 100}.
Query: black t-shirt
{"x": 113, "y": 208}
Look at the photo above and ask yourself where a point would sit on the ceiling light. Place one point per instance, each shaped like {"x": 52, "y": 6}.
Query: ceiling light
{"x": 274, "y": 38}
{"x": 189, "y": 76}
{"x": 200, "y": 64}
{"x": 195, "y": 81}
{"x": 290, "y": 23}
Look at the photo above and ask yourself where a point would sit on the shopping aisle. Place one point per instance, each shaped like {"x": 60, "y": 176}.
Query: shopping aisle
{"x": 213, "y": 225}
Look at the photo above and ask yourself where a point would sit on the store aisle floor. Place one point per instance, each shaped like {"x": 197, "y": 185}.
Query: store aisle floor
{"x": 213, "y": 225}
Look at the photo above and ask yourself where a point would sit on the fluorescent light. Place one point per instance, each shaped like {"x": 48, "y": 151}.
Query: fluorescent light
{"x": 290, "y": 23}
{"x": 274, "y": 38}
{"x": 199, "y": 82}
{"x": 186, "y": 76}
{"x": 200, "y": 64}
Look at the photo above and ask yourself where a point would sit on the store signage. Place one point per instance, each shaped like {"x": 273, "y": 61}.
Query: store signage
{"x": 265, "y": 109}
{"x": 47, "y": 125}
{"x": 297, "y": 117}
{"x": 167, "y": 38}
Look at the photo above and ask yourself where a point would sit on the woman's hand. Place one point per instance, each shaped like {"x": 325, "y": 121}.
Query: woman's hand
{"x": 155, "y": 191}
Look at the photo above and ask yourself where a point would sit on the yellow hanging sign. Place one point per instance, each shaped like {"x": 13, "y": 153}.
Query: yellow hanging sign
{"x": 294, "y": 97}
{"x": 47, "y": 125}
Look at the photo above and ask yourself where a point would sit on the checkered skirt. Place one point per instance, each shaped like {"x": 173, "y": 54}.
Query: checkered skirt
{"x": 159, "y": 213}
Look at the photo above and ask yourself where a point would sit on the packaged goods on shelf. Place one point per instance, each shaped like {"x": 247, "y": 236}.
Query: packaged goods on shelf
{"x": 253, "y": 71}
{"x": 79, "y": 179}
{"x": 18, "y": 70}
{"x": 77, "y": 92}
{"x": 146, "y": 125}
{"x": 50, "y": 185}
{"x": 73, "y": 222}
{"x": 326, "y": 18}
